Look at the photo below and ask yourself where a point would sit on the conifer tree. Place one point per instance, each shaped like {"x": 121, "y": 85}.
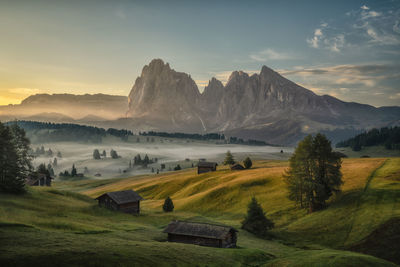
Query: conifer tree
{"x": 168, "y": 205}
{"x": 229, "y": 160}
{"x": 247, "y": 163}
{"x": 256, "y": 222}
{"x": 96, "y": 154}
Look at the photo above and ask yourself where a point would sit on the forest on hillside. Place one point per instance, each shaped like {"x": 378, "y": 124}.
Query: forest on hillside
{"x": 44, "y": 132}
{"x": 388, "y": 137}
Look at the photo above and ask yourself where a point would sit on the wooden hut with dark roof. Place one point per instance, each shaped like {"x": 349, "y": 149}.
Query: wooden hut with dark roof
{"x": 39, "y": 179}
{"x": 127, "y": 201}
{"x": 202, "y": 234}
{"x": 204, "y": 166}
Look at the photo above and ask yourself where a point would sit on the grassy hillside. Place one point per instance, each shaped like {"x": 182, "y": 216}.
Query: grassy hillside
{"x": 48, "y": 225}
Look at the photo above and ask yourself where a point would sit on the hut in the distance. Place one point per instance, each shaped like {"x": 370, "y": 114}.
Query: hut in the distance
{"x": 204, "y": 166}
{"x": 39, "y": 179}
{"x": 202, "y": 234}
{"x": 237, "y": 166}
{"x": 127, "y": 201}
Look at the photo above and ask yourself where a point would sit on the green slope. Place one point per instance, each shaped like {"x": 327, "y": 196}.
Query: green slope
{"x": 48, "y": 226}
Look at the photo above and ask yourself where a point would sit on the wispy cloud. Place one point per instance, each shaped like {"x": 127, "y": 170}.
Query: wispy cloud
{"x": 365, "y": 27}
{"x": 270, "y": 54}
{"x": 323, "y": 39}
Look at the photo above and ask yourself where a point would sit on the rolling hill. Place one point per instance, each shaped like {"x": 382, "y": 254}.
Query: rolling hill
{"x": 55, "y": 224}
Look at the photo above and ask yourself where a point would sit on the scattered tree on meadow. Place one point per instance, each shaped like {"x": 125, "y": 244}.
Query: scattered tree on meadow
{"x": 73, "y": 171}
{"x": 55, "y": 162}
{"x": 229, "y": 160}
{"x": 104, "y": 154}
{"x": 49, "y": 153}
{"x": 114, "y": 154}
{"x": 15, "y": 159}
{"x": 177, "y": 168}
{"x": 51, "y": 170}
{"x": 256, "y": 222}
{"x": 86, "y": 170}
{"x": 59, "y": 154}
{"x": 168, "y": 205}
{"x": 96, "y": 154}
{"x": 247, "y": 163}
{"x": 314, "y": 173}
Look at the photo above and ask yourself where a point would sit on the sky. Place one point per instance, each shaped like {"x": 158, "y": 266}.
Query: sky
{"x": 347, "y": 49}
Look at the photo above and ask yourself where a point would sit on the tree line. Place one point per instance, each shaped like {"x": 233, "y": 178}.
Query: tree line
{"x": 206, "y": 137}
{"x": 42, "y": 132}
{"x": 386, "y": 136}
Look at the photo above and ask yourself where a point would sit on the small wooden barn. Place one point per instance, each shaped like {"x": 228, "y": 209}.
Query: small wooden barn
{"x": 204, "y": 166}
{"x": 127, "y": 201}
{"x": 39, "y": 179}
{"x": 237, "y": 166}
{"x": 202, "y": 234}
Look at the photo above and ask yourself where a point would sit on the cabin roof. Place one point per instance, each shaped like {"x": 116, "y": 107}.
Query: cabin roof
{"x": 237, "y": 166}
{"x": 33, "y": 179}
{"x": 198, "y": 229}
{"x": 207, "y": 164}
{"x": 122, "y": 197}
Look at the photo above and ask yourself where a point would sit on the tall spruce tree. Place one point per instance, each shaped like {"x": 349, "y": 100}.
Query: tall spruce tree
{"x": 96, "y": 154}
{"x": 256, "y": 222}
{"x": 15, "y": 160}
{"x": 168, "y": 205}
{"x": 314, "y": 173}
{"x": 247, "y": 163}
{"x": 229, "y": 160}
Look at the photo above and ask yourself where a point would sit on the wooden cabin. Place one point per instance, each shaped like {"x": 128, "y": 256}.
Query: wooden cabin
{"x": 237, "y": 166}
{"x": 39, "y": 179}
{"x": 127, "y": 201}
{"x": 204, "y": 166}
{"x": 202, "y": 234}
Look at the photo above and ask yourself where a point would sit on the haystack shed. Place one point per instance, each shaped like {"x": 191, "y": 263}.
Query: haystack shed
{"x": 204, "y": 166}
{"x": 39, "y": 179}
{"x": 237, "y": 166}
{"x": 127, "y": 201}
{"x": 202, "y": 234}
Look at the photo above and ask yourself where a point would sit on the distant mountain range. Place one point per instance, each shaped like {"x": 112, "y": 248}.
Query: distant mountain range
{"x": 264, "y": 106}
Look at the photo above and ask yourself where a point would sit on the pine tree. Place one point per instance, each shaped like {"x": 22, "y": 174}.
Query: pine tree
{"x": 247, "y": 163}
{"x": 73, "y": 171}
{"x": 59, "y": 154}
{"x": 314, "y": 173}
{"x": 229, "y": 160}
{"x": 96, "y": 154}
{"x": 55, "y": 162}
{"x": 177, "y": 168}
{"x": 256, "y": 222}
{"x": 15, "y": 159}
{"x": 114, "y": 154}
{"x": 104, "y": 154}
{"x": 168, "y": 205}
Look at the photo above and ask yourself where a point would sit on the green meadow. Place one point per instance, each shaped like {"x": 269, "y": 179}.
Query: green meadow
{"x": 63, "y": 225}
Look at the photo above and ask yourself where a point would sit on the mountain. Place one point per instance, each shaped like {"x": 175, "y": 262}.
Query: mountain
{"x": 56, "y": 106}
{"x": 166, "y": 99}
{"x": 264, "y": 106}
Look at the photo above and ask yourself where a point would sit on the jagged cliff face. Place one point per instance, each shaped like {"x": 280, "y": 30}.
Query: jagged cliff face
{"x": 263, "y": 106}
{"x": 165, "y": 98}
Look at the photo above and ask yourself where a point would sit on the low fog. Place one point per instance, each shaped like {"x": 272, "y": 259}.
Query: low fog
{"x": 170, "y": 152}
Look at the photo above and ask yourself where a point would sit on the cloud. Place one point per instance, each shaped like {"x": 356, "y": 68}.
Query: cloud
{"x": 270, "y": 54}
{"x": 364, "y": 28}
{"x": 320, "y": 39}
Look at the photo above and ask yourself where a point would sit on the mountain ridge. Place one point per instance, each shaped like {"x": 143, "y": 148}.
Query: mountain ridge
{"x": 263, "y": 105}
